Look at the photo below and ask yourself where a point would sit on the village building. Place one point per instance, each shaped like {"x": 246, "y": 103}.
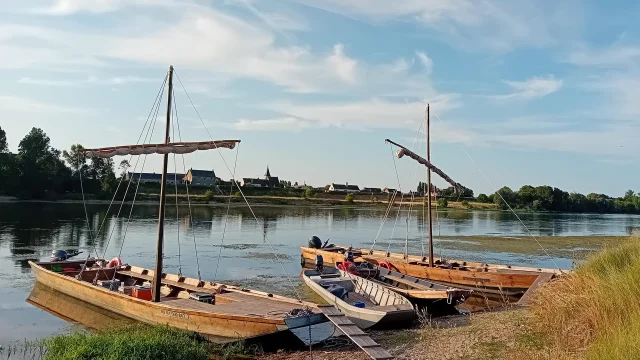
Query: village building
{"x": 268, "y": 181}
{"x": 153, "y": 178}
{"x": 346, "y": 188}
{"x": 372, "y": 191}
{"x": 387, "y": 190}
{"x": 200, "y": 177}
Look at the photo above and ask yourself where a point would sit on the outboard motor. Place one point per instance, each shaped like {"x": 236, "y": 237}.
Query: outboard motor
{"x": 59, "y": 255}
{"x": 348, "y": 255}
{"x": 319, "y": 263}
{"x": 315, "y": 242}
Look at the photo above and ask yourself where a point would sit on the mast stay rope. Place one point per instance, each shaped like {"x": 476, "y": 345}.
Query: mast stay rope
{"x": 277, "y": 258}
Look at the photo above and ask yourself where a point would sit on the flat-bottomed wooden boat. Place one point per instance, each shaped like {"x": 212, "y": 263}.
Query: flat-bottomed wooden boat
{"x": 382, "y": 307}
{"x": 237, "y": 313}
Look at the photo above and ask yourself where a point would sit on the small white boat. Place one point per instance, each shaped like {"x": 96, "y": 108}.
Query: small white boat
{"x": 364, "y": 302}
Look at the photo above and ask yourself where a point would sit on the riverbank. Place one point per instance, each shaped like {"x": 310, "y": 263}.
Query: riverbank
{"x": 237, "y": 200}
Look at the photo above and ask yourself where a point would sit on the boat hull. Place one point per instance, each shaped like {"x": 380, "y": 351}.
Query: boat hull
{"x": 218, "y": 327}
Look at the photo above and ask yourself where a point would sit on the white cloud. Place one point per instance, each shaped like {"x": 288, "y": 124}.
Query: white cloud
{"x": 91, "y": 80}
{"x": 279, "y": 124}
{"x": 535, "y": 87}
{"x": 497, "y": 26}
{"x": 27, "y": 105}
{"x": 615, "y": 55}
{"x": 426, "y": 61}
{"x": 374, "y": 113}
{"x": 69, "y": 7}
{"x": 344, "y": 66}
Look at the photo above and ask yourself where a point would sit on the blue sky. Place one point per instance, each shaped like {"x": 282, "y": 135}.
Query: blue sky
{"x": 534, "y": 92}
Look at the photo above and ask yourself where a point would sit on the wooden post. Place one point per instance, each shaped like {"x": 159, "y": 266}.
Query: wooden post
{"x": 157, "y": 276}
{"x": 429, "y": 192}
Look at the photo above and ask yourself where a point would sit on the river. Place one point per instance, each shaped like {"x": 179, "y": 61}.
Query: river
{"x": 31, "y": 231}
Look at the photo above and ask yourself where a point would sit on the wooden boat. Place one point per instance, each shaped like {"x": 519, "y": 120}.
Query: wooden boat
{"x": 486, "y": 278}
{"x": 502, "y": 280}
{"x": 235, "y": 313}
{"x": 382, "y": 307}
{"x": 434, "y": 298}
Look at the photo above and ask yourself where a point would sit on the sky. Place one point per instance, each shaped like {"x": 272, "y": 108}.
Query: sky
{"x": 527, "y": 92}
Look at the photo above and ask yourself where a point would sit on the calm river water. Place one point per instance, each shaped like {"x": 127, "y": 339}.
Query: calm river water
{"x": 32, "y": 230}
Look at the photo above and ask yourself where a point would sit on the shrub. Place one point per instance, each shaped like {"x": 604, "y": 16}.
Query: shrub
{"x": 237, "y": 194}
{"x": 465, "y": 203}
{"x": 208, "y": 195}
{"x": 349, "y": 198}
{"x": 309, "y": 193}
{"x": 442, "y": 202}
{"x": 483, "y": 198}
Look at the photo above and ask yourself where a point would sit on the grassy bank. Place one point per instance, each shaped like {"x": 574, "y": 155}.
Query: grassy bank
{"x": 595, "y": 312}
{"x": 131, "y": 342}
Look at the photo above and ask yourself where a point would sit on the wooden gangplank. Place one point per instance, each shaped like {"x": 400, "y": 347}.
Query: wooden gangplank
{"x": 542, "y": 279}
{"x": 359, "y": 337}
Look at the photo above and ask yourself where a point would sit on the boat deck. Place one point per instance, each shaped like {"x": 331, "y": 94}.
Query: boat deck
{"x": 229, "y": 303}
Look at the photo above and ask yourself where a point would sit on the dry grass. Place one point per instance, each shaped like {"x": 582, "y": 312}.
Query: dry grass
{"x": 594, "y": 312}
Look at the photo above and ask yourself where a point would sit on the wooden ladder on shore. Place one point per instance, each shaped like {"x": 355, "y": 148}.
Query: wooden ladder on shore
{"x": 359, "y": 337}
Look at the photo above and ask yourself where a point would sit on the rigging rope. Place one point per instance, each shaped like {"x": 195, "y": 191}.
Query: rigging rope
{"x": 401, "y": 197}
{"x": 241, "y": 192}
{"x": 119, "y": 183}
{"x": 508, "y": 205}
{"x": 193, "y": 230}
{"x": 175, "y": 183}
{"x": 226, "y": 217}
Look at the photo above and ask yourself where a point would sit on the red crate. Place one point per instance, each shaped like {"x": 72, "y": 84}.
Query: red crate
{"x": 141, "y": 293}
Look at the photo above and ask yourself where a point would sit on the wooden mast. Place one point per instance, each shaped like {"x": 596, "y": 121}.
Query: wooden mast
{"x": 157, "y": 275}
{"x": 429, "y": 192}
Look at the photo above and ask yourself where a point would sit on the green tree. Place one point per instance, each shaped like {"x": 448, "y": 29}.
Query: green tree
{"x": 4, "y": 147}
{"x": 40, "y": 168}
{"x": 465, "y": 203}
{"x": 77, "y": 160}
{"x": 442, "y": 202}
{"x": 629, "y": 195}
{"x": 349, "y": 198}
{"x": 505, "y": 194}
{"x": 208, "y": 195}
{"x": 483, "y": 198}
{"x": 124, "y": 167}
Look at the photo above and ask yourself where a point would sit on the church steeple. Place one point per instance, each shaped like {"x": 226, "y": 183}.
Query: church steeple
{"x": 267, "y": 174}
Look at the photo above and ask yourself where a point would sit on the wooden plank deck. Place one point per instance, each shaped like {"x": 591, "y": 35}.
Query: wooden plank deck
{"x": 542, "y": 279}
{"x": 359, "y": 337}
{"x": 413, "y": 283}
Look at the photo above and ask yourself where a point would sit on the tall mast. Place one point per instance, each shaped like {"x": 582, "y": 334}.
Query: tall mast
{"x": 429, "y": 192}
{"x": 157, "y": 275}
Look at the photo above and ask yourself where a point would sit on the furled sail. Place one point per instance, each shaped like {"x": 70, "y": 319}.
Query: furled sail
{"x": 169, "y": 148}
{"x": 404, "y": 151}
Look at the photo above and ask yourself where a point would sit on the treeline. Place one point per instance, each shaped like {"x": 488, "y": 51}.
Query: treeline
{"x": 39, "y": 171}
{"x": 547, "y": 198}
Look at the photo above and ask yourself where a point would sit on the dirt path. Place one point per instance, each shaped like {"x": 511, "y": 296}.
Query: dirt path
{"x": 489, "y": 335}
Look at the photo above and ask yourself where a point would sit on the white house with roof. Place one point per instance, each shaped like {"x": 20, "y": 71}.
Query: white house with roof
{"x": 344, "y": 188}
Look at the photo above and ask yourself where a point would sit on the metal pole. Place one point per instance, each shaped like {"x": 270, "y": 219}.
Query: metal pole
{"x": 157, "y": 275}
